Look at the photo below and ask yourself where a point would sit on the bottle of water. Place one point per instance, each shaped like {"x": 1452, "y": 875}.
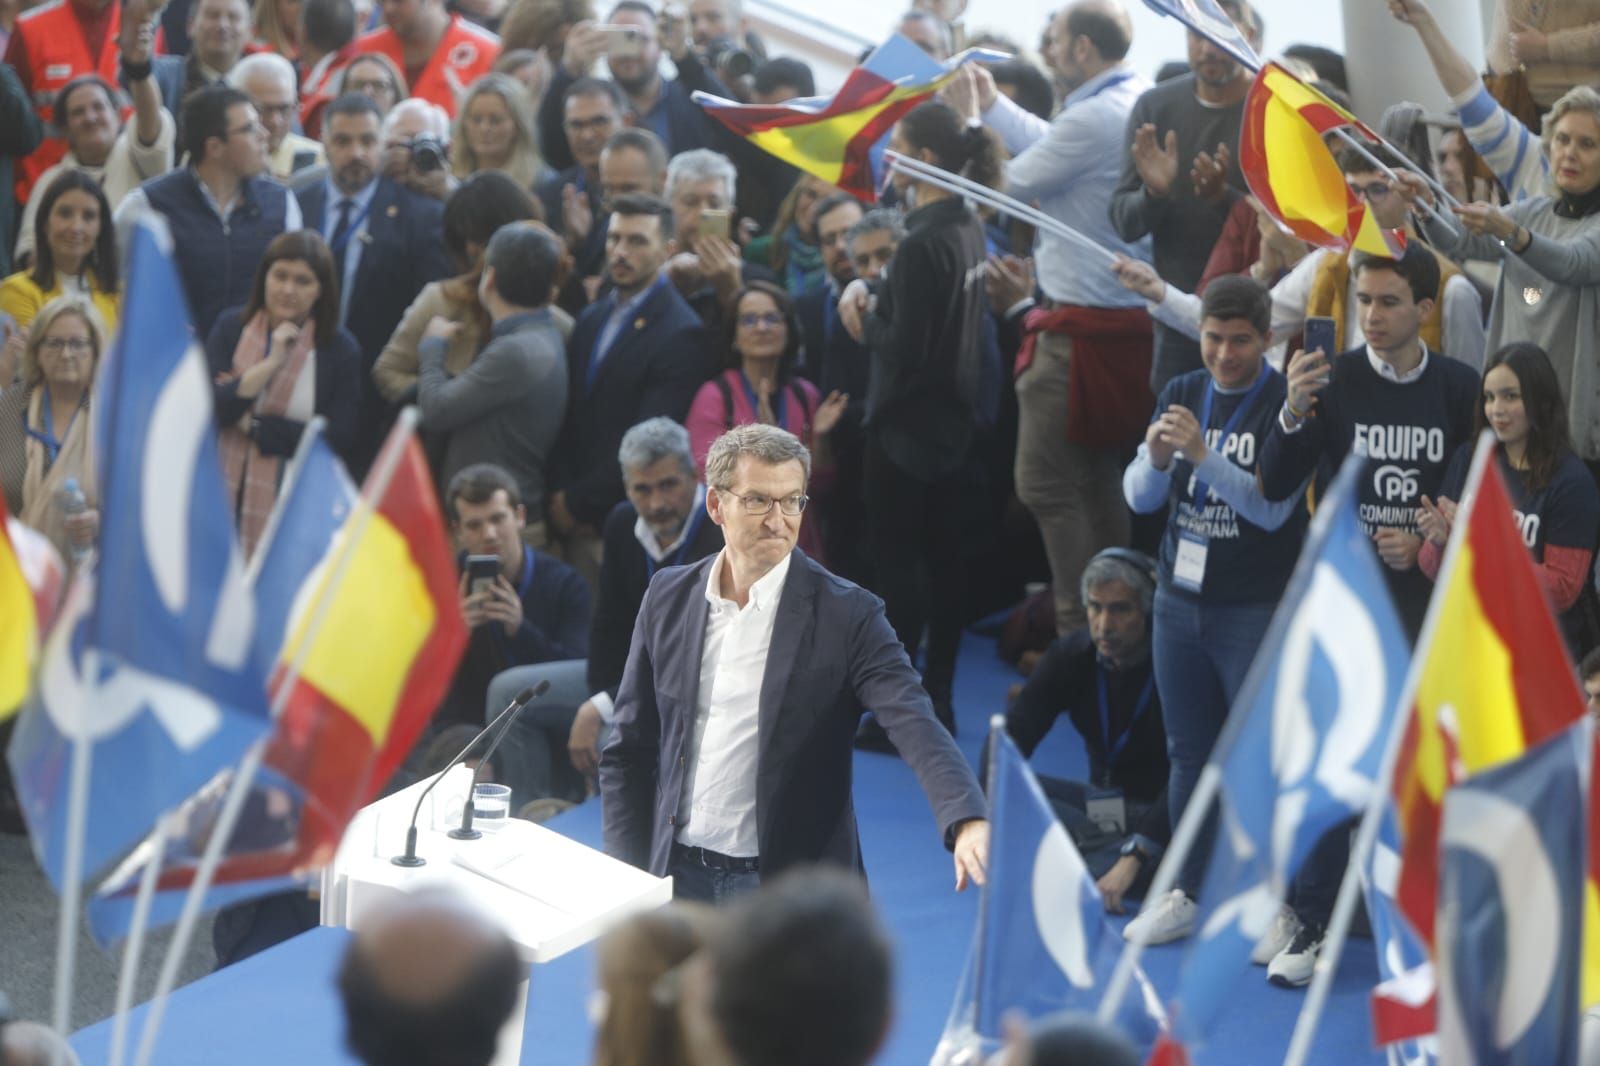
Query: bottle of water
{"x": 73, "y": 503}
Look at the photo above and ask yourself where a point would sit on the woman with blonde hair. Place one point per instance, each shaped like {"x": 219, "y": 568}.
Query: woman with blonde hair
{"x": 543, "y": 24}
{"x": 494, "y": 131}
{"x": 276, "y": 25}
{"x": 640, "y": 968}
{"x": 46, "y": 428}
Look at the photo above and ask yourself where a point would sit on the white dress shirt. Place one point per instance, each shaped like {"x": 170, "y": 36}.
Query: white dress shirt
{"x": 718, "y": 810}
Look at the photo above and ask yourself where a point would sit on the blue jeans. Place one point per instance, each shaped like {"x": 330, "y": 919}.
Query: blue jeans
{"x": 697, "y": 880}
{"x": 1201, "y": 653}
{"x": 533, "y": 760}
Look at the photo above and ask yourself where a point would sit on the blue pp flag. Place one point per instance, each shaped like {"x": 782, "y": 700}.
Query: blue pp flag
{"x": 1510, "y": 921}
{"x": 1207, "y": 18}
{"x": 1303, "y": 745}
{"x": 1043, "y": 943}
{"x": 1403, "y": 1014}
{"x": 155, "y": 662}
{"x": 316, "y": 498}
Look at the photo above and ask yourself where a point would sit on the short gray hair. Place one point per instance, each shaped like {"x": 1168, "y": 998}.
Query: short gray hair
{"x": 653, "y": 440}
{"x": 885, "y": 219}
{"x": 436, "y": 120}
{"x": 1105, "y": 568}
{"x": 702, "y": 164}
{"x": 269, "y": 63}
{"x": 764, "y": 443}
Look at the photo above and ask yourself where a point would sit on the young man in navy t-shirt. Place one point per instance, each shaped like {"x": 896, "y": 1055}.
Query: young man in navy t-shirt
{"x": 1225, "y": 557}
{"x": 1406, "y": 410}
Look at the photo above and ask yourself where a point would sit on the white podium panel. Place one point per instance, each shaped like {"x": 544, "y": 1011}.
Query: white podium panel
{"x": 550, "y": 893}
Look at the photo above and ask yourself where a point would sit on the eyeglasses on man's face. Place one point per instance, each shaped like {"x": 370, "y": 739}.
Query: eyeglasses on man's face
{"x": 756, "y": 504}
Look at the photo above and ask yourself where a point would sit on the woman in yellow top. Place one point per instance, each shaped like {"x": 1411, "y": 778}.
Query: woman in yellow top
{"x": 75, "y": 253}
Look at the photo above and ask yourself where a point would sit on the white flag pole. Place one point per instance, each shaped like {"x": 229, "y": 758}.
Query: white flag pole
{"x": 377, "y": 485}
{"x": 1344, "y": 906}
{"x": 128, "y": 980}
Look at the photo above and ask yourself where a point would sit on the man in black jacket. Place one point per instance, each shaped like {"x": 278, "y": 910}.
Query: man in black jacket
{"x": 661, "y": 523}
{"x": 1101, "y": 679}
{"x": 636, "y": 352}
{"x": 387, "y": 243}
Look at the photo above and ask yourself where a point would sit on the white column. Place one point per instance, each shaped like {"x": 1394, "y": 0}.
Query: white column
{"x": 1386, "y": 63}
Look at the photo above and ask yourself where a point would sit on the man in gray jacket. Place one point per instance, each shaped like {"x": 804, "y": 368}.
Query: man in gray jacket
{"x": 506, "y": 408}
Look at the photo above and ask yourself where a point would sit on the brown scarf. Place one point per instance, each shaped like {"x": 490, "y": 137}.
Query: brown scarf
{"x": 252, "y": 477}
{"x": 43, "y": 479}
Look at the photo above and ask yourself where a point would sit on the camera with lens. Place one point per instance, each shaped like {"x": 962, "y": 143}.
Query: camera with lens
{"x": 427, "y": 153}
{"x": 728, "y": 59}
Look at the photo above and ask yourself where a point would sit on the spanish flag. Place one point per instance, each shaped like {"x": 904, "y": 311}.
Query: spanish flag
{"x": 1494, "y": 680}
{"x": 377, "y": 637}
{"x": 31, "y": 578}
{"x": 1291, "y": 169}
{"x": 841, "y": 138}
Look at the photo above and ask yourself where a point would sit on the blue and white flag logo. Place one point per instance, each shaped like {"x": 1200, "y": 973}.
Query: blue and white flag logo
{"x": 1509, "y": 935}
{"x": 156, "y": 659}
{"x": 1315, "y": 712}
{"x": 1209, "y": 20}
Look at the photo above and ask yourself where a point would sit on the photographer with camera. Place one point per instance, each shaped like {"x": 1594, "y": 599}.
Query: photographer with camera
{"x": 387, "y": 243}
{"x": 416, "y": 149}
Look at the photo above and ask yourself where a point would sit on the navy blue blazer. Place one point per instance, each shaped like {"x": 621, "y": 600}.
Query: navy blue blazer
{"x": 656, "y": 364}
{"x": 833, "y": 656}
{"x": 402, "y": 252}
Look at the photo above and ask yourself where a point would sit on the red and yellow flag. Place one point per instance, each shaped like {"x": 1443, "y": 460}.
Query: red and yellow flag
{"x": 1292, "y": 171}
{"x": 1495, "y": 680}
{"x": 31, "y": 578}
{"x": 381, "y": 655}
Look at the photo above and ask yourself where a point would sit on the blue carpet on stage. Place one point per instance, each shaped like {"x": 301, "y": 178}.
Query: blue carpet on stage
{"x": 281, "y": 1006}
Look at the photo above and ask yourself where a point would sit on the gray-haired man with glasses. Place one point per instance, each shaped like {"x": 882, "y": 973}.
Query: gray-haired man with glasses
{"x": 749, "y": 672}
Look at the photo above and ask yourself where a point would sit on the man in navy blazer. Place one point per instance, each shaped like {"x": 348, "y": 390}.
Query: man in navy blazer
{"x": 731, "y": 757}
{"x": 387, "y": 245}
{"x": 637, "y": 352}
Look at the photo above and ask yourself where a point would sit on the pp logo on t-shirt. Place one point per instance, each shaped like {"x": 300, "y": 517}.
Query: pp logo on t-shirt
{"x": 1394, "y": 483}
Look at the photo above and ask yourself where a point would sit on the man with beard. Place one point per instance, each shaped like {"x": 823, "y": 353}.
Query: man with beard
{"x": 1181, "y": 173}
{"x": 663, "y": 107}
{"x": 387, "y": 243}
{"x": 636, "y": 352}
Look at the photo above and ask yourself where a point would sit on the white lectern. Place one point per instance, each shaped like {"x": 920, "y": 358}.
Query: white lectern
{"x": 550, "y": 893}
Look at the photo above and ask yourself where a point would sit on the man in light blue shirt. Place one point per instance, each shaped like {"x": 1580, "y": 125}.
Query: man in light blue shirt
{"x": 1068, "y": 473}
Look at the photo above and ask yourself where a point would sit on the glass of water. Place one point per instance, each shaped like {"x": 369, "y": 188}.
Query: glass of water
{"x": 491, "y": 806}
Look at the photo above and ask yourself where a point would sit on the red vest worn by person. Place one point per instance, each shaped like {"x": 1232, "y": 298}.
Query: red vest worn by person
{"x": 464, "y": 54}
{"x": 51, "y": 40}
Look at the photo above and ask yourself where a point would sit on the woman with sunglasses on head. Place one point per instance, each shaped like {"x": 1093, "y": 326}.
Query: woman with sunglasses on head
{"x": 1556, "y": 503}
{"x": 760, "y": 385}
{"x": 46, "y": 428}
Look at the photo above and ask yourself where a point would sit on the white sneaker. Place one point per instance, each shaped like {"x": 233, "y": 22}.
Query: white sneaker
{"x": 1170, "y": 919}
{"x": 1293, "y": 966}
{"x": 1279, "y": 936}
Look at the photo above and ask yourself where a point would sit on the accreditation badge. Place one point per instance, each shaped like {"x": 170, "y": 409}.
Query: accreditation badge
{"x": 1189, "y": 568}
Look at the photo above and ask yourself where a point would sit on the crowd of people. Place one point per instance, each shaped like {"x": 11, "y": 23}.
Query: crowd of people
{"x": 515, "y": 217}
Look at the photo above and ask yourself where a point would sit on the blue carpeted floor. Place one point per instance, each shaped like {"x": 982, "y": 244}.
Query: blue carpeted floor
{"x": 281, "y": 1007}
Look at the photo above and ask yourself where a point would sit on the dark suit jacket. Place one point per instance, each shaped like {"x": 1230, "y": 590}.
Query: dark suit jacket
{"x": 833, "y": 656}
{"x": 654, "y": 367}
{"x": 404, "y": 251}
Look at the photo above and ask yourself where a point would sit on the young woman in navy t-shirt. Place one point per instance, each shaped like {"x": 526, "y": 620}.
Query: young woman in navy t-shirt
{"x": 1557, "y": 503}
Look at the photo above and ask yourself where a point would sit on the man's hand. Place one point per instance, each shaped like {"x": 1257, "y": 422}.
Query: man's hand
{"x": 471, "y": 605}
{"x": 1117, "y": 881}
{"x": 577, "y": 217}
{"x": 584, "y": 47}
{"x": 1528, "y": 44}
{"x": 1411, "y": 12}
{"x": 854, "y": 304}
{"x": 672, "y": 27}
{"x": 972, "y": 853}
{"x": 972, "y": 92}
{"x": 1157, "y": 163}
{"x": 1181, "y": 429}
{"x": 1308, "y": 375}
{"x": 583, "y": 742}
{"x": 1209, "y": 173}
{"x": 1008, "y": 279}
{"x": 441, "y": 328}
{"x": 1160, "y": 450}
{"x": 721, "y": 265}
{"x": 1397, "y": 548}
{"x": 1141, "y": 277}
{"x": 137, "y": 36}
{"x": 500, "y": 604}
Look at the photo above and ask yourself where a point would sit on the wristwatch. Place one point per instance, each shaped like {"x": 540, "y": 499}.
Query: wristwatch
{"x": 1132, "y": 847}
